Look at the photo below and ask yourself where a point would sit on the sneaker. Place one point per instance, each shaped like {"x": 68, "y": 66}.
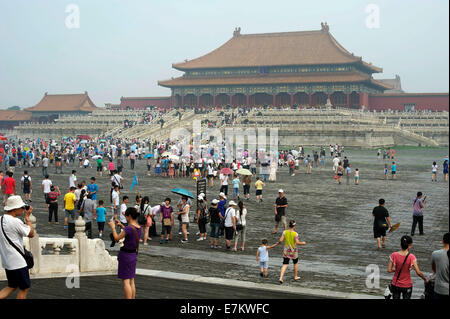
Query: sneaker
{"x": 100, "y": 235}
{"x": 212, "y": 246}
{"x": 184, "y": 241}
{"x": 196, "y": 234}
{"x": 200, "y": 239}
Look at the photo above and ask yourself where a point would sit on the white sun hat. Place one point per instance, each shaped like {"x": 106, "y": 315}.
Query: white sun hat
{"x": 215, "y": 201}
{"x": 14, "y": 202}
{"x": 232, "y": 203}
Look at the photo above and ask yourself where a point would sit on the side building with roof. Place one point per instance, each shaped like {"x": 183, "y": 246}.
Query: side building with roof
{"x": 52, "y": 106}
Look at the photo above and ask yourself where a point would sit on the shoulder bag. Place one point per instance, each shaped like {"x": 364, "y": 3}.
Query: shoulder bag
{"x": 27, "y": 255}
{"x": 222, "y": 222}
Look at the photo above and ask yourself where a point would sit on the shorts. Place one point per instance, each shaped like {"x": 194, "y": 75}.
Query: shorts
{"x": 378, "y": 232}
{"x": 26, "y": 190}
{"x": 99, "y": 168}
{"x": 119, "y": 169}
{"x": 214, "y": 230}
{"x": 258, "y": 192}
{"x": 246, "y": 189}
{"x": 166, "y": 230}
{"x": 286, "y": 261}
{"x": 264, "y": 264}
{"x": 70, "y": 213}
{"x": 18, "y": 278}
{"x": 229, "y": 233}
{"x": 210, "y": 176}
{"x": 393, "y": 172}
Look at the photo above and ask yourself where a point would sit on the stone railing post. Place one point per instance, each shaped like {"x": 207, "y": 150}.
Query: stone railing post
{"x": 35, "y": 247}
{"x": 80, "y": 234}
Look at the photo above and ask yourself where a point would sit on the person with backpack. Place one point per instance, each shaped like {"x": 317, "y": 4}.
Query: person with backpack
{"x": 418, "y": 206}
{"x": 26, "y": 186}
{"x": 53, "y": 204}
{"x": 202, "y": 217}
{"x": 401, "y": 263}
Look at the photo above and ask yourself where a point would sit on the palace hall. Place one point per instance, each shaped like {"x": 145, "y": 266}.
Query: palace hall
{"x": 296, "y": 69}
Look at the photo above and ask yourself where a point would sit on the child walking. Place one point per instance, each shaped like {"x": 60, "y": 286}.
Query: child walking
{"x": 100, "y": 217}
{"x": 262, "y": 256}
{"x": 385, "y": 172}
{"x": 356, "y": 176}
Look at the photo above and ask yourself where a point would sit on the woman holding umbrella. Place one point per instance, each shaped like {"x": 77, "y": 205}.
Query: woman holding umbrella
{"x": 184, "y": 212}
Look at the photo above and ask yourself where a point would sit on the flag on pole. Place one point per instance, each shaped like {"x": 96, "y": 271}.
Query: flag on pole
{"x": 134, "y": 182}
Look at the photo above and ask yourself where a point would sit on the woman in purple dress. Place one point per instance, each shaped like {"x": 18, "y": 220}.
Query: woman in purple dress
{"x": 128, "y": 253}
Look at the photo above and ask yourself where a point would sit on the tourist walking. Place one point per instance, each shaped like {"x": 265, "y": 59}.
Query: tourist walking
{"x": 401, "y": 263}
{"x": 45, "y": 186}
{"x": 394, "y": 170}
{"x": 290, "y": 251}
{"x": 246, "y": 182}
{"x": 445, "y": 169}
{"x": 418, "y": 205}
{"x": 241, "y": 226}
{"x": 184, "y": 213}
{"x": 230, "y": 223}
{"x": 127, "y": 256}
{"x": 27, "y": 186}
{"x": 280, "y": 206}
{"x": 381, "y": 223}
{"x": 215, "y": 218}
{"x": 12, "y": 231}
{"x": 434, "y": 169}
{"x": 202, "y": 217}
{"x": 8, "y": 186}
{"x": 262, "y": 257}
{"x": 69, "y": 206}
{"x": 259, "y": 184}
{"x": 100, "y": 217}
{"x": 167, "y": 220}
{"x": 53, "y": 204}
{"x": 146, "y": 210}
{"x": 340, "y": 173}
{"x": 440, "y": 265}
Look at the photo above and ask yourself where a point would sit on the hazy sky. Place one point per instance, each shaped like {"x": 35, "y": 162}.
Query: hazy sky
{"x": 122, "y": 48}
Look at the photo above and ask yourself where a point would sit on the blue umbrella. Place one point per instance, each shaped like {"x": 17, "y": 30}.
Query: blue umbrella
{"x": 148, "y": 155}
{"x": 182, "y": 192}
{"x": 79, "y": 149}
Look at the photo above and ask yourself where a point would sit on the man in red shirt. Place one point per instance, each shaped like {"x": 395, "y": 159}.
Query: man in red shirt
{"x": 9, "y": 186}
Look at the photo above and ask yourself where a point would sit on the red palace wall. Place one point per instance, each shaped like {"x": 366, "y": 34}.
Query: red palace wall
{"x": 138, "y": 104}
{"x": 424, "y": 101}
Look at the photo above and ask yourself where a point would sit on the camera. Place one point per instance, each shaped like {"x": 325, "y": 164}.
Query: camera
{"x": 27, "y": 207}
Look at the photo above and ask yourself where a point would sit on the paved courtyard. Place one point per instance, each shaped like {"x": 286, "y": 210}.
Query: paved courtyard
{"x": 335, "y": 221}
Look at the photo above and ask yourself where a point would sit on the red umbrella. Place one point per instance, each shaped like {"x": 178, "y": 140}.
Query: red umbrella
{"x": 226, "y": 171}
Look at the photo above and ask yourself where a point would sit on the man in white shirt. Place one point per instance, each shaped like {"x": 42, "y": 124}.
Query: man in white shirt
{"x": 14, "y": 229}
{"x": 116, "y": 178}
{"x": 115, "y": 201}
{"x": 336, "y": 161}
{"x": 73, "y": 179}
{"x": 223, "y": 184}
{"x": 230, "y": 223}
{"x": 46, "y": 184}
{"x": 123, "y": 208}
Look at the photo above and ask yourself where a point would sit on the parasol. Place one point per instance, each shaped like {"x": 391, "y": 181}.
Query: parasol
{"x": 243, "y": 171}
{"x": 226, "y": 171}
{"x": 182, "y": 192}
{"x": 174, "y": 157}
{"x": 165, "y": 154}
{"x": 148, "y": 155}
